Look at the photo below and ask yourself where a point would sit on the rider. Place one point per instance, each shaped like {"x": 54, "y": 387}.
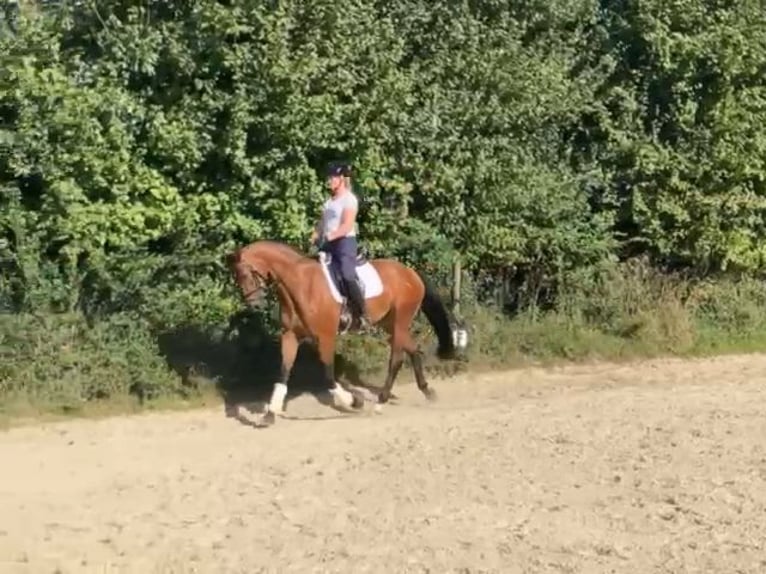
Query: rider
{"x": 336, "y": 233}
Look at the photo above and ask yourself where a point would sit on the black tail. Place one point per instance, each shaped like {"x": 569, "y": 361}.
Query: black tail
{"x": 436, "y": 312}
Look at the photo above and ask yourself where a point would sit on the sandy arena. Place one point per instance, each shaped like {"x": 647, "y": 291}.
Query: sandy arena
{"x": 644, "y": 468}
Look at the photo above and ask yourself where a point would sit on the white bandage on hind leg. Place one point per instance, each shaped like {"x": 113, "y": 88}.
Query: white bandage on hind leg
{"x": 277, "y": 403}
{"x": 341, "y": 396}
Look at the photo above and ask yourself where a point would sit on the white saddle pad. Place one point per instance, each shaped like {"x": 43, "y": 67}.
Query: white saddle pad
{"x": 368, "y": 275}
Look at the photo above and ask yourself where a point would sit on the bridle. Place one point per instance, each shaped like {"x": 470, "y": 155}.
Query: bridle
{"x": 260, "y": 281}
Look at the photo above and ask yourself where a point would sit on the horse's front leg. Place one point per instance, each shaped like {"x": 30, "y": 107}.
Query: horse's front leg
{"x": 289, "y": 347}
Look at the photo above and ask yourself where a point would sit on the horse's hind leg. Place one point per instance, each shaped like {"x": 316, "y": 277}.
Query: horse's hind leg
{"x": 342, "y": 399}
{"x": 395, "y": 360}
{"x": 416, "y": 359}
{"x": 401, "y": 342}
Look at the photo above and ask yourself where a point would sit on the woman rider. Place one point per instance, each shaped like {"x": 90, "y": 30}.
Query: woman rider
{"x": 336, "y": 234}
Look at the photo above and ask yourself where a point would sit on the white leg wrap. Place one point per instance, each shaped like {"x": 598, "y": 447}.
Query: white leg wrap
{"x": 341, "y": 397}
{"x": 277, "y": 403}
{"x": 367, "y": 394}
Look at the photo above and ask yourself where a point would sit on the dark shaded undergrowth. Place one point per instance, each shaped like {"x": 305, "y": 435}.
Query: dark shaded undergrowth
{"x": 65, "y": 364}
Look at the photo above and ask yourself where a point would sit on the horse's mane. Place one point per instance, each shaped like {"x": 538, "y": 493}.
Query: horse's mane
{"x": 277, "y": 246}
{"x": 286, "y": 247}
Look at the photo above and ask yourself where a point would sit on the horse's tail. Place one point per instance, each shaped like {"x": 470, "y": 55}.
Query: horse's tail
{"x": 436, "y": 313}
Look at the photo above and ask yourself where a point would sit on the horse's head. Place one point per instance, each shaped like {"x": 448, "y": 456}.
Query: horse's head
{"x": 250, "y": 275}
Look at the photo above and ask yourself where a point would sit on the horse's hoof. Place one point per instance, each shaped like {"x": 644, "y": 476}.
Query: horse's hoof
{"x": 269, "y": 418}
{"x": 358, "y": 402}
{"x": 431, "y": 395}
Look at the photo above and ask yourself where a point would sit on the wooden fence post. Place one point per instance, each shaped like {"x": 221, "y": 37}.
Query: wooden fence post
{"x": 457, "y": 274}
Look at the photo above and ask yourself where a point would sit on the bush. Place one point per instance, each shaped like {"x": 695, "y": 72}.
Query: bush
{"x": 62, "y": 361}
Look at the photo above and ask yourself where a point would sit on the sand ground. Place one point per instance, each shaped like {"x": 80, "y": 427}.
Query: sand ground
{"x": 650, "y": 467}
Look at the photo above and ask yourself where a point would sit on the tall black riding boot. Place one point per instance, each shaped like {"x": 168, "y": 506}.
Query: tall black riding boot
{"x": 358, "y": 308}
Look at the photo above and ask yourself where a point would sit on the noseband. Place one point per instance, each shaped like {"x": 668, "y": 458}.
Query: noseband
{"x": 260, "y": 284}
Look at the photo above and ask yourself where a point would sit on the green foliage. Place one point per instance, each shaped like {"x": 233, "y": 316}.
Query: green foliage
{"x": 540, "y": 142}
{"x": 677, "y": 128}
{"x": 143, "y": 132}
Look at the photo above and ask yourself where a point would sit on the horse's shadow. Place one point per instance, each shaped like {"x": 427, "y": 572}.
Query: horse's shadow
{"x": 243, "y": 368}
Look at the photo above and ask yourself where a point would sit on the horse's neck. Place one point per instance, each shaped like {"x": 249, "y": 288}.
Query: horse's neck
{"x": 282, "y": 263}
{"x": 290, "y": 275}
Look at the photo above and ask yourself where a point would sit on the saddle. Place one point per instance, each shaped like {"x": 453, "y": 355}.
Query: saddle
{"x": 362, "y": 259}
{"x": 326, "y": 259}
{"x": 362, "y": 256}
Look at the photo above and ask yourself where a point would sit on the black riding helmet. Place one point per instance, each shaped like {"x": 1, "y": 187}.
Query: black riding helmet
{"x": 338, "y": 168}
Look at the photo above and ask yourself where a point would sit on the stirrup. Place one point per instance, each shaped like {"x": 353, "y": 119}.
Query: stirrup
{"x": 361, "y": 324}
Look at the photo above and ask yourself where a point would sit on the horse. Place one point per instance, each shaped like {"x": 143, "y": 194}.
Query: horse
{"x": 311, "y": 308}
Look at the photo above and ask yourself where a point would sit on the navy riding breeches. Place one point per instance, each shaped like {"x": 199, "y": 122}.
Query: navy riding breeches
{"x": 343, "y": 252}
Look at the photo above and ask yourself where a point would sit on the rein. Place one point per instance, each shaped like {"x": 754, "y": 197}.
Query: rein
{"x": 260, "y": 284}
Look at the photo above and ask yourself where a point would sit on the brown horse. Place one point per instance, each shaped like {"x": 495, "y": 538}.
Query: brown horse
{"x": 308, "y": 310}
